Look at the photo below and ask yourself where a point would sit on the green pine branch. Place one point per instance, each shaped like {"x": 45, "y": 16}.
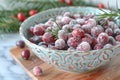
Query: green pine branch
{"x": 8, "y": 20}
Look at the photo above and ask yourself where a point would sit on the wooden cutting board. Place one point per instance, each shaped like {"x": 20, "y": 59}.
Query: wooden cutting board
{"x": 110, "y": 71}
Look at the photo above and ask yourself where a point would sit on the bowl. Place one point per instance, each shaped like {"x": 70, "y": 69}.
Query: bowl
{"x": 72, "y": 61}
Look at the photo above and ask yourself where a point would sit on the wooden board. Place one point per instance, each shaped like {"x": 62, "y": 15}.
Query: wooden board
{"x": 110, "y": 71}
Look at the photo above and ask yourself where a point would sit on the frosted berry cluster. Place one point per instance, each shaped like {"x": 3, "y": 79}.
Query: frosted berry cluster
{"x": 75, "y": 32}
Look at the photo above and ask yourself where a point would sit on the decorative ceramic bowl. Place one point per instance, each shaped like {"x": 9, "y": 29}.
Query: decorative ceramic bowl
{"x": 73, "y": 61}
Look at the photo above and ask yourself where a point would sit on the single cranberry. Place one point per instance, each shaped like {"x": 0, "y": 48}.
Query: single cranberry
{"x": 25, "y": 54}
{"x": 20, "y": 44}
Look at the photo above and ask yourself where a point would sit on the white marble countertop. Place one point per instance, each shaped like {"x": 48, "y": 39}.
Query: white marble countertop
{"x": 9, "y": 69}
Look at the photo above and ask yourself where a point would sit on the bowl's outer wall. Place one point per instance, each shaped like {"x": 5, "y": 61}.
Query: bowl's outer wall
{"x": 73, "y": 61}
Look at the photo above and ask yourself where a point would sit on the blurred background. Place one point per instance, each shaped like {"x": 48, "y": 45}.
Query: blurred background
{"x": 14, "y": 12}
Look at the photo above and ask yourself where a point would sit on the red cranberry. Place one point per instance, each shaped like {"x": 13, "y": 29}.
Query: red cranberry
{"x": 20, "y": 44}
{"x": 68, "y": 2}
{"x": 88, "y": 38}
{"x": 101, "y": 5}
{"x": 38, "y": 30}
{"x": 25, "y": 54}
{"x": 21, "y": 17}
{"x": 103, "y": 38}
{"x": 94, "y": 42}
{"x": 32, "y": 12}
{"x": 86, "y": 28}
{"x": 98, "y": 46}
{"x": 109, "y": 31}
{"x": 116, "y": 32}
{"x": 117, "y": 38}
{"x": 84, "y": 46}
{"x": 60, "y": 44}
{"x": 73, "y": 42}
{"x": 31, "y": 30}
{"x": 95, "y": 31}
{"x": 79, "y": 33}
{"x": 37, "y": 71}
{"x": 48, "y": 38}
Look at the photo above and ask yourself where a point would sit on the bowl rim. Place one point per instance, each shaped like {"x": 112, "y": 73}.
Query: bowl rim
{"x": 71, "y": 51}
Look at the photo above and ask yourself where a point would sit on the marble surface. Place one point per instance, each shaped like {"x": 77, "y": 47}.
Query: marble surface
{"x": 9, "y": 69}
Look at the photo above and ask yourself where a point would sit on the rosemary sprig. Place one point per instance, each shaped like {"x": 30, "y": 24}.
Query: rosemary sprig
{"x": 109, "y": 15}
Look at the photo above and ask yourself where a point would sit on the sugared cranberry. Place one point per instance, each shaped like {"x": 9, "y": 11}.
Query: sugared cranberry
{"x": 84, "y": 46}
{"x": 116, "y": 32}
{"x": 95, "y": 31}
{"x": 117, "y": 38}
{"x": 20, "y": 44}
{"x": 111, "y": 24}
{"x": 88, "y": 38}
{"x": 86, "y": 28}
{"x": 37, "y": 71}
{"x": 62, "y": 35}
{"x": 60, "y": 44}
{"x": 65, "y": 20}
{"x": 80, "y": 21}
{"x": 70, "y": 49}
{"x": 69, "y": 2}
{"x": 48, "y": 38}
{"x": 73, "y": 42}
{"x": 79, "y": 33}
{"x": 103, "y": 38}
{"x": 109, "y": 31}
{"x": 77, "y": 16}
{"x": 98, "y": 46}
{"x": 67, "y": 14}
{"x": 31, "y": 30}
{"x": 25, "y": 54}
{"x": 76, "y": 26}
{"x": 38, "y": 30}
{"x": 91, "y": 22}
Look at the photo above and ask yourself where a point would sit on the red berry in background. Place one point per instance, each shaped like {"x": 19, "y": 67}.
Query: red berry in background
{"x": 48, "y": 38}
{"x": 21, "y": 17}
{"x": 32, "y": 12}
{"x": 25, "y": 54}
{"x": 20, "y": 44}
{"x": 38, "y": 30}
{"x": 101, "y": 5}
{"x": 79, "y": 33}
{"x": 68, "y": 2}
{"x": 37, "y": 71}
{"x": 61, "y": 1}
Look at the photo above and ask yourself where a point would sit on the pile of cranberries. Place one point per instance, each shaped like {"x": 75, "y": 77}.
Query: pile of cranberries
{"x": 75, "y": 32}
